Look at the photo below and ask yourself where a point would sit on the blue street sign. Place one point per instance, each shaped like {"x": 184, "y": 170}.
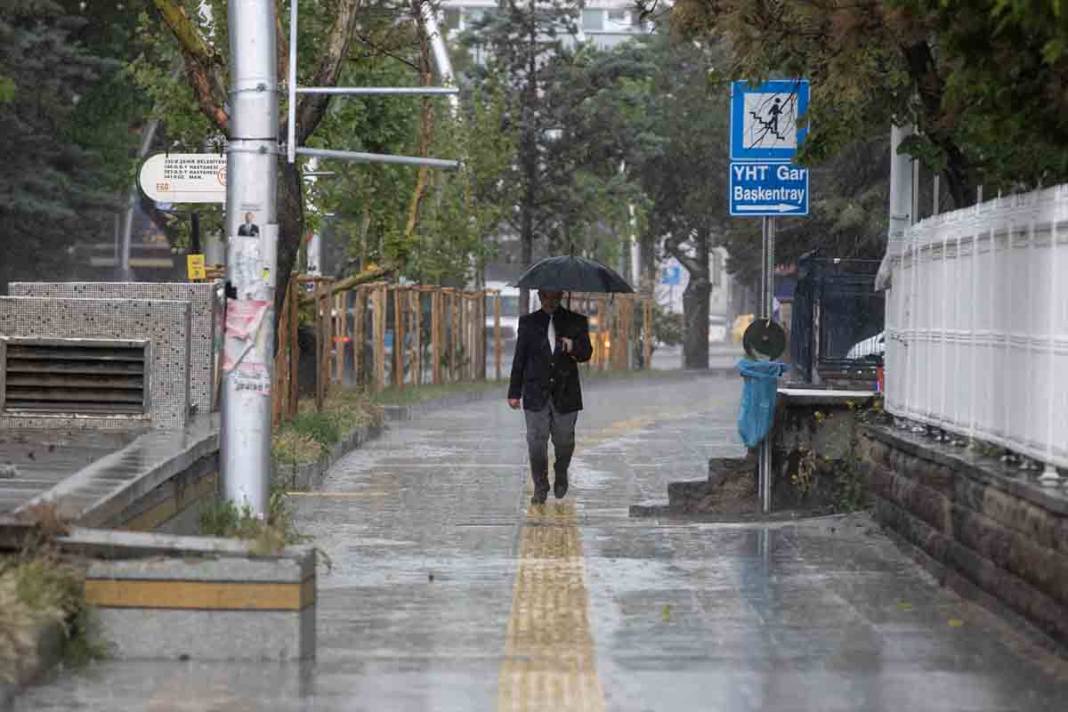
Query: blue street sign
{"x": 768, "y": 189}
{"x": 765, "y": 118}
{"x": 671, "y": 275}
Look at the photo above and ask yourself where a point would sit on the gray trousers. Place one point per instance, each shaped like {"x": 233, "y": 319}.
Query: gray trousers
{"x": 541, "y": 425}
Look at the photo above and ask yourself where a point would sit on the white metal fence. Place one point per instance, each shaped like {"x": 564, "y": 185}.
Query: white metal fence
{"x": 977, "y": 323}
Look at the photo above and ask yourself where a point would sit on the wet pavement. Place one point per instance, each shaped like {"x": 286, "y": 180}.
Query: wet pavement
{"x": 446, "y": 593}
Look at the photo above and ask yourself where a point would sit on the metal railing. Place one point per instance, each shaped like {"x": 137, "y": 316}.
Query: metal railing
{"x": 977, "y": 324}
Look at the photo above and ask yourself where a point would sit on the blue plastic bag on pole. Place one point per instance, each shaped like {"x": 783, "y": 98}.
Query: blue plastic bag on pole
{"x": 758, "y": 398}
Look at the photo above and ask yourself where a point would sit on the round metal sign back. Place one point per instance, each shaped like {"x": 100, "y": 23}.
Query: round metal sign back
{"x": 764, "y": 340}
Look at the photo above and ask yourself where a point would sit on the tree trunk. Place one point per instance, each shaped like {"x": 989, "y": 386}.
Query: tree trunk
{"x": 647, "y": 263}
{"x": 695, "y": 314}
{"x": 695, "y": 301}
{"x": 290, "y": 226}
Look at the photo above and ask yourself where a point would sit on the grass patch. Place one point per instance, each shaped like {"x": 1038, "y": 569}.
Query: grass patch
{"x": 311, "y": 434}
{"x": 38, "y": 588}
{"x": 267, "y": 536}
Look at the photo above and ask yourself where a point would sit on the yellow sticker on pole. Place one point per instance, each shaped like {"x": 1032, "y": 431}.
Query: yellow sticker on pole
{"x": 195, "y": 267}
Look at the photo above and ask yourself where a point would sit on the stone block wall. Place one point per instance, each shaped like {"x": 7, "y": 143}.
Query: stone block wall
{"x": 203, "y": 318}
{"x": 985, "y": 529}
{"x": 165, "y": 324}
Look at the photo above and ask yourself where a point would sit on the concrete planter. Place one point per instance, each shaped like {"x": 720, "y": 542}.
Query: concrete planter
{"x": 309, "y": 476}
{"x": 198, "y": 598}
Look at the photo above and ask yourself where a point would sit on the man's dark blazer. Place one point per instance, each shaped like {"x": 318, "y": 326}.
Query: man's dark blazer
{"x": 537, "y": 373}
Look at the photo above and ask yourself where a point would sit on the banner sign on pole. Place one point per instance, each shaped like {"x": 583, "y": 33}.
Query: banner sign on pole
{"x": 184, "y": 178}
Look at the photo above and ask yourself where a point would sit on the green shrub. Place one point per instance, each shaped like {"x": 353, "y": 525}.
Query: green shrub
{"x": 268, "y": 535}
{"x": 323, "y": 428}
{"x": 38, "y": 587}
{"x": 292, "y": 448}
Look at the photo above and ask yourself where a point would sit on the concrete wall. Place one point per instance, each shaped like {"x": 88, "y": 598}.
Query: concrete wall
{"x": 164, "y": 323}
{"x": 988, "y": 530}
{"x": 203, "y": 326}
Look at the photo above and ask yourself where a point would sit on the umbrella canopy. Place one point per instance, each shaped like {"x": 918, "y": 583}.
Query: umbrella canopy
{"x": 573, "y": 274}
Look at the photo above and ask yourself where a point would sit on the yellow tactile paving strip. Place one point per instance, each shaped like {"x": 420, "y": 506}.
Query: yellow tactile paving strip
{"x": 549, "y": 661}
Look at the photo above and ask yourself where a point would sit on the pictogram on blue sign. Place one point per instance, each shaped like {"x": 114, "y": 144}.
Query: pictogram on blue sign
{"x": 671, "y": 275}
{"x": 768, "y": 189}
{"x": 766, "y": 119}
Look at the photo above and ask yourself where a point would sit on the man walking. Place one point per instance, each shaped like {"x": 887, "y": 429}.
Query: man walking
{"x": 551, "y": 343}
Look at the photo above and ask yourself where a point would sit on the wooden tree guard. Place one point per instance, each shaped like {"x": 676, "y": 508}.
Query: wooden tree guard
{"x": 464, "y": 305}
{"x": 358, "y": 365}
{"x": 378, "y": 321}
{"x": 398, "y": 336}
{"x": 343, "y": 335}
{"x": 280, "y": 379}
{"x": 456, "y": 339}
{"x": 436, "y": 335}
{"x": 416, "y": 299}
{"x": 455, "y": 327}
{"x": 446, "y": 336}
{"x": 480, "y": 333}
{"x": 328, "y": 337}
{"x": 470, "y": 350}
{"x": 622, "y": 337}
{"x": 320, "y": 348}
{"x": 647, "y": 333}
{"x": 293, "y": 323}
{"x": 606, "y": 342}
{"x": 483, "y": 342}
{"x": 498, "y": 342}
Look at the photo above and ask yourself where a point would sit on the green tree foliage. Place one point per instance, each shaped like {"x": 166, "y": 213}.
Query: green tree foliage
{"x": 643, "y": 125}
{"x": 684, "y": 173}
{"x": 983, "y": 81}
{"x": 369, "y": 207}
{"x": 370, "y": 204}
{"x": 520, "y": 42}
{"x": 52, "y": 188}
{"x": 590, "y": 96}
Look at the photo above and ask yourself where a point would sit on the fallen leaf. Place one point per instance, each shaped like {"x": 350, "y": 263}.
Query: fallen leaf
{"x": 666, "y": 613}
{"x": 904, "y": 605}
{"x": 955, "y": 622}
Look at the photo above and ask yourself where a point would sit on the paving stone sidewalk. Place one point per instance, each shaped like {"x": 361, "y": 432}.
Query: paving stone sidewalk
{"x": 446, "y": 593}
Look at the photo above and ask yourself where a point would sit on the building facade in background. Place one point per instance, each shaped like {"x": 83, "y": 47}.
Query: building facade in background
{"x": 606, "y": 23}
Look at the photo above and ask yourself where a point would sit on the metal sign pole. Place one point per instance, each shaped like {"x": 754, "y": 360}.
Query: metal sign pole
{"x": 252, "y": 232}
{"x": 766, "y": 308}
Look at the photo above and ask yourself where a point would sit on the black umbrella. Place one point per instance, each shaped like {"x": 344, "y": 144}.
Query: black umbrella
{"x": 573, "y": 274}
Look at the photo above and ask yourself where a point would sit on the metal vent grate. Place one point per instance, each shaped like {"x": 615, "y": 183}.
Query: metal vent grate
{"x": 73, "y": 377}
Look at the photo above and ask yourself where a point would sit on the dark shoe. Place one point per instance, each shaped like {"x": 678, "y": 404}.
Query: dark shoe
{"x": 539, "y": 497}
{"x": 560, "y": 486}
